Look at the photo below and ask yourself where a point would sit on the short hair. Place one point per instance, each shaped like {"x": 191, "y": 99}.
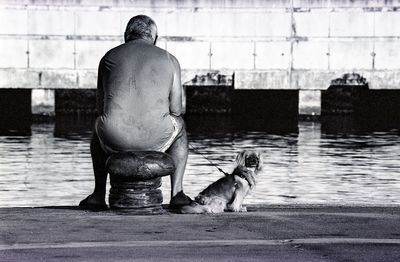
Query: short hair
{"x": 139, "y": 27}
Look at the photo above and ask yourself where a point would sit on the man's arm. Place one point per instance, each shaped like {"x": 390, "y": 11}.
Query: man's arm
{"x": 177, "y": 96}
{"x": 100, "y": 90}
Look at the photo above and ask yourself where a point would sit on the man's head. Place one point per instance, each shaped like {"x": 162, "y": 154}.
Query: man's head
{"x": 141, "y": 27}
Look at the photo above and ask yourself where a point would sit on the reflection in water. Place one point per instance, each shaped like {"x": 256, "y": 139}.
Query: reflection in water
{"x": 302, "y": 164}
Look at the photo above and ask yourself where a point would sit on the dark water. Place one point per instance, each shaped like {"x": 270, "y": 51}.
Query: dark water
{"x": 335, "y": 161}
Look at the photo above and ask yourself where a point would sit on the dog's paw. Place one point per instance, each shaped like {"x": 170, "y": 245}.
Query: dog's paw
{"x": 243, "y": 209}
{"x": 201, "y": 199}
{"x": 231, "y": 208}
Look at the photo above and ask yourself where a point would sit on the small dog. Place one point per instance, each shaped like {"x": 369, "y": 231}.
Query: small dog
{"x": 228, "y": 193}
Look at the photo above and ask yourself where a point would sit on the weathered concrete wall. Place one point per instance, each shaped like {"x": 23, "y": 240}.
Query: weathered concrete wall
{"x": 278, "y": 44}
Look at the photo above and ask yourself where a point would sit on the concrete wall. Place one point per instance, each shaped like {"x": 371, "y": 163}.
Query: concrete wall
{"x": 277, "y": 44}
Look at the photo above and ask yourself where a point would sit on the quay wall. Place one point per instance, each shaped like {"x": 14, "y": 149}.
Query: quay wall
{"x": 279, "y": 44}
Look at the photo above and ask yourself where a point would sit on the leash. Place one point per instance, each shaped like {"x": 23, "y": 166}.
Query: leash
{"x": 214, "y": 165}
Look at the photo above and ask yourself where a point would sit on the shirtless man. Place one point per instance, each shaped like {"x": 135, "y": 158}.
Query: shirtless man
{"x": 140, "y": 101}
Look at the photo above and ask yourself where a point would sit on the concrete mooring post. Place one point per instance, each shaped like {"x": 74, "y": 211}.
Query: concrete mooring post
{"x": 135, "y": 180}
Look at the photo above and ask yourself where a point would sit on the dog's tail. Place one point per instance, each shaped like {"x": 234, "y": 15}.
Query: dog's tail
{"x": 194, "y": 208}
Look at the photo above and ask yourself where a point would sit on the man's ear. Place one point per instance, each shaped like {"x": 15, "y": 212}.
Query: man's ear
{"x": 155, "y": 40}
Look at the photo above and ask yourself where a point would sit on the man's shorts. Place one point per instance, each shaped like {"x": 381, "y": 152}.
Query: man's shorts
{"x": 177, "y": 123}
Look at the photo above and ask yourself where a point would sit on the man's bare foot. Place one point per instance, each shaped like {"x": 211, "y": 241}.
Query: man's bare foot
{"x": 91, "y": 203}
{"x": 179, "y": 200}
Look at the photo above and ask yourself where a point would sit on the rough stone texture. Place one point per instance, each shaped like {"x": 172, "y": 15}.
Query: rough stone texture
{"x": 139, "y": 166}
{"x": 135, "y": 199}
{"x": 271, "y": 79}
{"x": 135, "y": 178}
{"x": 265, "y": 233}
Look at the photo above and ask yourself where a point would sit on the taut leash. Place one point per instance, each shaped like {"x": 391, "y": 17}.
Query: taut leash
{"x": 215, "y": 165}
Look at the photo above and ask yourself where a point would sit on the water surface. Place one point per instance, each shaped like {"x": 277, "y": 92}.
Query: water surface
{"x": 304, "y": 163}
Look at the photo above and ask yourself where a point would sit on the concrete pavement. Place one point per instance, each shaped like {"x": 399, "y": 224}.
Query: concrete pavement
{"x": 265, "y": 233}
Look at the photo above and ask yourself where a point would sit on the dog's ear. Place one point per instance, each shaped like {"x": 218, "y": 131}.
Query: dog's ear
{"x": 240, "y": 158}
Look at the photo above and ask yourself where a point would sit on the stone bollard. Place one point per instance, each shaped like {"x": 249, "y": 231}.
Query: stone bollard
{"x": 135, "y": 179}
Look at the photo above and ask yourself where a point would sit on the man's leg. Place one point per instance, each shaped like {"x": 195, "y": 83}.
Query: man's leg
{"x": 99, "y": 157}
{"x": 179, "y": 153}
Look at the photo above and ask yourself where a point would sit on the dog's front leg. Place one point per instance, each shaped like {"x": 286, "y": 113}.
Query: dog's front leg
{"x": 237, "y": 201}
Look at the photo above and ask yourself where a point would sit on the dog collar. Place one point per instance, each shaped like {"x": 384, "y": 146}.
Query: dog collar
{"x": 244, "y": 177}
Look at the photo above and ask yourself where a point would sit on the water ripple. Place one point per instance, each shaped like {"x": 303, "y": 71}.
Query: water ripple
{"x": 308, "y": 167}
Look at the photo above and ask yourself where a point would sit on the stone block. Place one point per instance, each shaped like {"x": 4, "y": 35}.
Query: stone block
{"x": 233, "y": 24}
{"x": 59, "y": 79}
{"x": 310, "y": 55}
{"x": 314, "y": 23}
{"x": 188, "y": 23}
{"x": 191, "y": 55}
{"x": 88, "y": 78}
{"x": 310, "y": 102}
{"x": 13, "y": 53}
{"x": 238, "y": 55}
{"x": 273, "y": 55}
{"x": 313, "y": 79}
{"x": 56, "y": 79}
{"x": 273, "y": 24}
{"x": 271, "y": 79}
{"x": 387, "y": 55}
{"x": 51, "y": 22}
{"x": 89, "y": 53}
{"x": 13, "y": 21}
{"x": 352, "y": 23}
{"x": 98, "y": 23}
{"x": 384, "y": 79}
{"x": 18, "y": 78}
{"x": 386, "y": 24}
{"x": 351, "y": 55}
{"x": 51, "y": 54}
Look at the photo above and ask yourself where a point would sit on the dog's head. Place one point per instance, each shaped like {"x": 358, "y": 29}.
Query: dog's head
{"x": 249, "y": 159}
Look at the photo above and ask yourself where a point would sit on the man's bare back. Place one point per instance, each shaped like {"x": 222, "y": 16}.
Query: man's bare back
{"x": 139, "y": 97}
